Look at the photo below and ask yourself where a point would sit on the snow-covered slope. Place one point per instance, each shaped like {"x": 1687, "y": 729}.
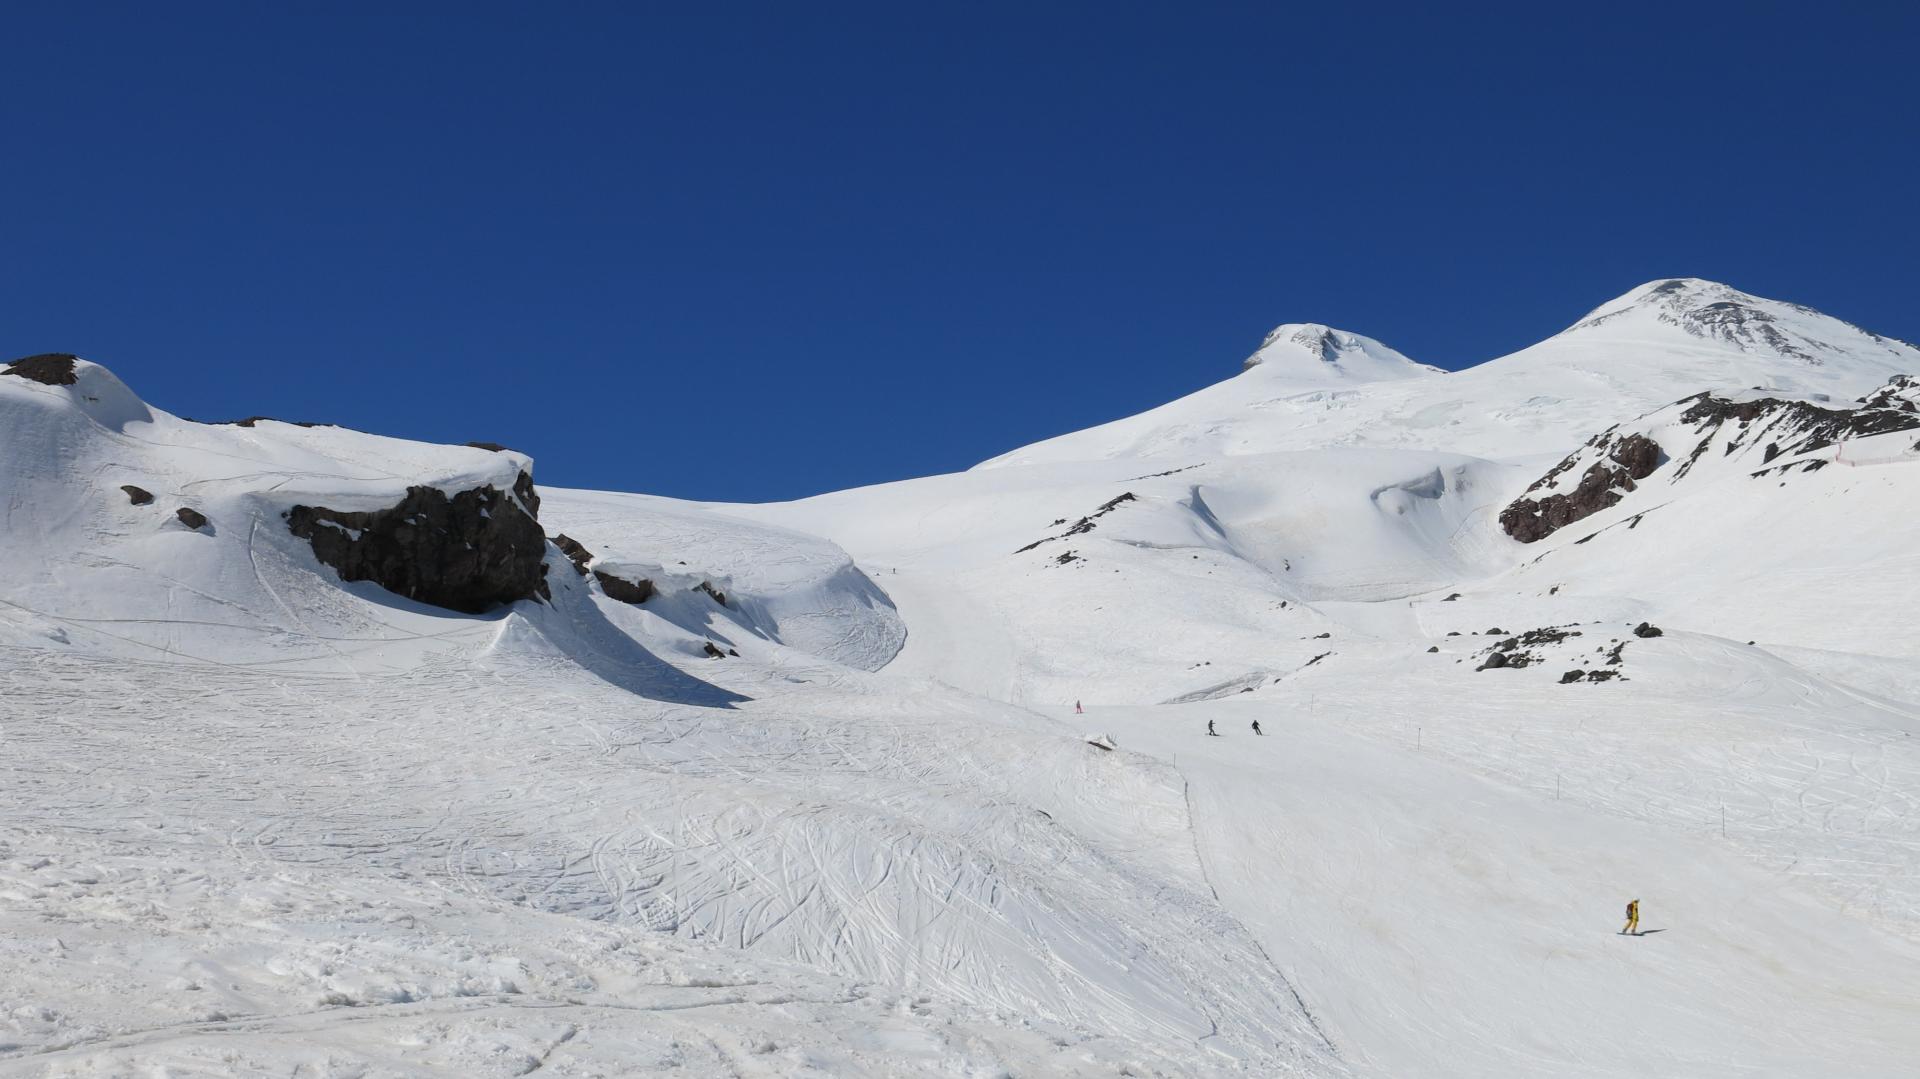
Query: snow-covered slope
{"x": 364, "y": 768}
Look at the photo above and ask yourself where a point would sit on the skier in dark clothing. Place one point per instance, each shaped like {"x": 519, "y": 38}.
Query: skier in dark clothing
{"x": 1256, "y": 726}
{"x": 1210, "y": 731}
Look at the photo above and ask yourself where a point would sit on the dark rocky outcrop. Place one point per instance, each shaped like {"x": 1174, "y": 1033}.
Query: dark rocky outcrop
{"x": 1646, "y": 629}
{"x": 713, "y": 651}
{"x": 468, "y": 552}
{"x": 1085, "y": 524}
{"x": 1604, "y": 483}
{"x": 1575, "y": 675}
{"x": 47, "y": 368}
{"x": 634, "y": 592}
{"x": 192, "y": 518}
{"x": 575, "y": 551}
{"x": 1901, "y": 393}
{"x": 253, "y": 420}
{"x": 718, "y": 596}
{"x": 1796, "y": 427}
{"x": 139, "y": 496}
{"x": 1517, "y": 651}
{"x": 490, "y": 447}
{"x": 1760, "y": 429}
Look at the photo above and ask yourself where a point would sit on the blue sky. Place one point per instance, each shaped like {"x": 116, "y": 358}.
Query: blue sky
{"x": 759, "y": 252}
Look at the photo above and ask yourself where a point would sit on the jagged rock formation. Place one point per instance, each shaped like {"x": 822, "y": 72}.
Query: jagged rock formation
{"x": 469, "y": 552}
{"x": 1790, "y": 427}
{"x": 1624, "y": 462}
{"x": 1901, "y": 393}
{"x": 575, "y": 551}
{"x": 192, "y": 518}
{"x": 47, "y": 368}
{"x": 139, "y": 496}
{"x": 1085, "y": 524}
{"x": 1747, "y": 432}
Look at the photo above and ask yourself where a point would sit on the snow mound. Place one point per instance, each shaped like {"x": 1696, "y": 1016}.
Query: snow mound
{"x": 1310, "y": 352}
{"x": 778, "y": 584}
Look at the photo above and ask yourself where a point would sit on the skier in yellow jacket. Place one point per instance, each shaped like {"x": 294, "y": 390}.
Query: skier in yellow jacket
{"x": 1633, "y": 917}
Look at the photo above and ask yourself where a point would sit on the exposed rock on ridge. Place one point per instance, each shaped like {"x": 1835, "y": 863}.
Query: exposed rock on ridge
{"x": 1748, "y": 432}
{"x": 1626, "y": 460}
{"x": 467, "y": 552}
{"x": 47, "y": 368}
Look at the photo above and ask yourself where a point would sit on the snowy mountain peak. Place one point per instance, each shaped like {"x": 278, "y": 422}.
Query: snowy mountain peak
{"x": 1718, "y": 314}
{"x": 1310, "y": 350}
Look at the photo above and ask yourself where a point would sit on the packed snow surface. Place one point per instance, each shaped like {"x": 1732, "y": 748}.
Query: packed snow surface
{"x": 917, "y": 779}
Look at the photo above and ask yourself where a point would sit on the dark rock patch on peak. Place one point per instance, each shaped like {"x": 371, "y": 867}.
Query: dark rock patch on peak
{"x": 46, "y": 368}
{"x": 468, "y": 552}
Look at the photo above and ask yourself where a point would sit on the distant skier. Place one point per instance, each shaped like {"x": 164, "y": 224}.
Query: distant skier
{"x": 1077, "y": 709}
{"x": 1633, "y": 918}
{"x": 1211, "y": 733}
{"x": 1256, "y": 727}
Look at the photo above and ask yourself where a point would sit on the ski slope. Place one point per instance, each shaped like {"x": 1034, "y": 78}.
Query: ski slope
{"x": 816, "y": 801}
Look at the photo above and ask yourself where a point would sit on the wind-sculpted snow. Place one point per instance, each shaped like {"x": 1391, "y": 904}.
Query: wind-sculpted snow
{"x": 780, "y": 585}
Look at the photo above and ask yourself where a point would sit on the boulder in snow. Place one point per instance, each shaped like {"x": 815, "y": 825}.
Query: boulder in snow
{"x": 635, "y": 592}
{"x": 470, "y": 551}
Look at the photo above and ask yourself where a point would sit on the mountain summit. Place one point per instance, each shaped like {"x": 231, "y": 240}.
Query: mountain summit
{"x": 1310, "y": 350}
{"x": 1721, "y": 315}
{"x": 1310, "y": 387}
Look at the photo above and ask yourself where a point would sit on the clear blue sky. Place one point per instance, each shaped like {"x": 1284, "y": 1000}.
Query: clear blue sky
{"x": 780, "y": 249}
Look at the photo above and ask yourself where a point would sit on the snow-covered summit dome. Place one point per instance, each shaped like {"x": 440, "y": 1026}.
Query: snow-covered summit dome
{"x": 1310, "y": 350}
{"x": 1709, "y": 311}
